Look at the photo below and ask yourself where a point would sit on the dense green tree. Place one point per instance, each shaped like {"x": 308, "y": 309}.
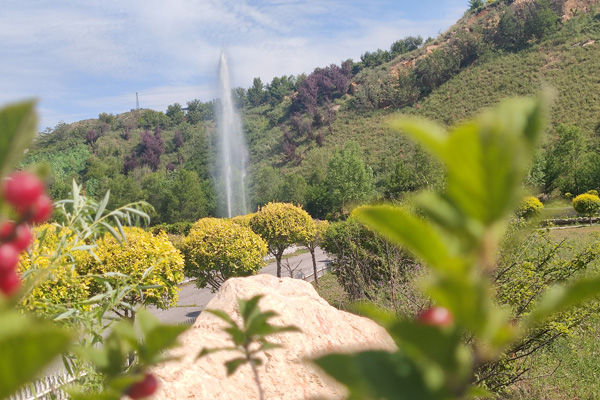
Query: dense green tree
{"x": 178, "y": 196}
{"x": 406, "y": 45}
{"x": 175, "y": 113}
{"x": 349, "y": 180}
{"x": 293, "y": 190}
{"x": 256, "y": 94}
{"x": 566, "y": 161}
{"x": 266, "y": 185}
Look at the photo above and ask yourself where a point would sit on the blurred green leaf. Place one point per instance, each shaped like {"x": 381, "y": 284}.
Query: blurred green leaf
{"x": 416, "y": 234}
{"x": 18, "y": 124}
{"x": 233, "y": 365}
{"x": 559, "y": 298}
{"x": 379, "y": 375}
{"x": 27, "y": 346}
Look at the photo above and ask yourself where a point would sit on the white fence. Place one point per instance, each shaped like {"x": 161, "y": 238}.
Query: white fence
{"x": 47, "y": 388}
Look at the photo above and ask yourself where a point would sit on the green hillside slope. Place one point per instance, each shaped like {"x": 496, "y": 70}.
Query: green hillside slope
{"x": 306, "y": 132}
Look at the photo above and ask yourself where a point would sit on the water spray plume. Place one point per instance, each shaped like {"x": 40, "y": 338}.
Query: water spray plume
{"x": 232, "y": 149}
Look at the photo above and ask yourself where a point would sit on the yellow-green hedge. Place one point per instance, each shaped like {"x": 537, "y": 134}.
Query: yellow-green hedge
{"x": 218, "y": 249}
{"x": 142, "y": 251}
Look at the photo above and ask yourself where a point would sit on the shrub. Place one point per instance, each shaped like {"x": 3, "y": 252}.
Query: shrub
{"x": 530, "y": 207}
{"x": 219, "y": 249}
{"x": 526, "y": 268}
{"x": 587, "y": 204}
{"x": 243, "y": 220}
{"x": 63, "y": 284}
{"x": 148, "y": 260}
{"x": 592, "y": 192}
{"x": 281, "y": 225}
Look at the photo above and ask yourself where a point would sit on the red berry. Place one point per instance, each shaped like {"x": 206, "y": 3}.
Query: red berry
{"x": 42, "y": 209}
{"x": 6, "y": 231}
{"x": 22, "y": 189}
{"x": 9, "y": 282}
{"x": 437, "y": 316}
{"x": 22, "y": 238}
{"x": 9, "y": 257}
{"x": 143, "y": 388}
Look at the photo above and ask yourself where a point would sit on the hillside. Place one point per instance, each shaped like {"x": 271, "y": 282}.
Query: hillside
{"x": 308, "y": 133}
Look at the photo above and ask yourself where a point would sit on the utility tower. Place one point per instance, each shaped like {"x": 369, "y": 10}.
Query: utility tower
{"x": 137, "y": 102}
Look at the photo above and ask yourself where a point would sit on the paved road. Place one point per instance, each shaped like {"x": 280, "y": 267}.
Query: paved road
{"x": 193, "y": 300}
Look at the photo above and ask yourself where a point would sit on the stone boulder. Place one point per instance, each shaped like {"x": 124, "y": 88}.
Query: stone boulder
{"x": 285, "y": 373}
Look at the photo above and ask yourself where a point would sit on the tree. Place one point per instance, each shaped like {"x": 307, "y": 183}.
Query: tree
{"x": 152, "y": 262}
{"x": 587, "y": 204}
{"x": 476, "y": 5}
{"x": 282, "y": 225}
{"x": 256, "y": 94}
{"x": 218, "y": 249}
{"x": 313, "y": 241}
{"x": 566, "y": 160}
{"x": 405, "y": 45}
{"x": 349, "y": 180}
{"x": 175, "y": 113}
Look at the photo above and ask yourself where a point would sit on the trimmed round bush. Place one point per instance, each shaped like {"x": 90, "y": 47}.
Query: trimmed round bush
{"x": 530, "y": 207}
{"x": 218, "y": 249}
{"x": 592, "y": 192}
{"x": 243, "y": 220}
{"x": 587, "y": 204}
{"x": 282, "y": 225}
{"x": 147, "y": 259}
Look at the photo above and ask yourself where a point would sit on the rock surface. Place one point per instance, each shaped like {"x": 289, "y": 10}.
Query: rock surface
{"x": 285, "y": 373}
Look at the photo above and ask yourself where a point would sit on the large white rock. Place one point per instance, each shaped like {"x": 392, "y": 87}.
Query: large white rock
{"x": 286, "y": 374}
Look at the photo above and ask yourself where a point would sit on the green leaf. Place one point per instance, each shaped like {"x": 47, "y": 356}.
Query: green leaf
{"x": 248, "y": 308}
{"x": 380, "y": 375}
{"x": 431, "y": 135}
{"x": 159, "y": 339}
{"x": 415, "y": 234}
{"x": 443, "y": 347}
{"x": 560, "y": 298}
{"x": 222, "y": 315}
{"x": 18, "y": 124}
{"x": 102, "y": 206}
{"x": 27, "y": 346}
{"x": 233, "y": 365}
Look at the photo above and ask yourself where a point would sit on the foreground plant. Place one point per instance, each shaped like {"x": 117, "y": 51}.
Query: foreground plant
{"x": 456, "y": 233}
{"x": 29, "y": 343}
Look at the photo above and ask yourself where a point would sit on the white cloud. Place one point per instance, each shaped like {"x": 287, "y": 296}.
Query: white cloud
{"x": 88, "y": 57}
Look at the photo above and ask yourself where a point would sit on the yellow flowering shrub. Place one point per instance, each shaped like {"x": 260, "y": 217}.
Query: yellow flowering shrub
{"x": 530, "y": 207}
{"x": 218, "y": 249}
{"x": 243, "y": 220}
{"x": 64, "y": 283}
{"x": 147, "y": 259}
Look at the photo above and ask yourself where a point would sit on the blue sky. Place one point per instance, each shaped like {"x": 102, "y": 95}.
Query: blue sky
{"x": 81, "y": 58}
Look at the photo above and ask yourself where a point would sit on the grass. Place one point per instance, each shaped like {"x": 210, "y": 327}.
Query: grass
{"x": 569, "y": 369}
{"x": 330, "y": 290}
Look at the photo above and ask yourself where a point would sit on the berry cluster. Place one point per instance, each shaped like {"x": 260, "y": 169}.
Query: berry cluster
{"x": 26, "y": 194}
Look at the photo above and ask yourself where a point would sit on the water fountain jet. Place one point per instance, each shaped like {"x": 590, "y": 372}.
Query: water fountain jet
{"x": 232, "y": 149}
